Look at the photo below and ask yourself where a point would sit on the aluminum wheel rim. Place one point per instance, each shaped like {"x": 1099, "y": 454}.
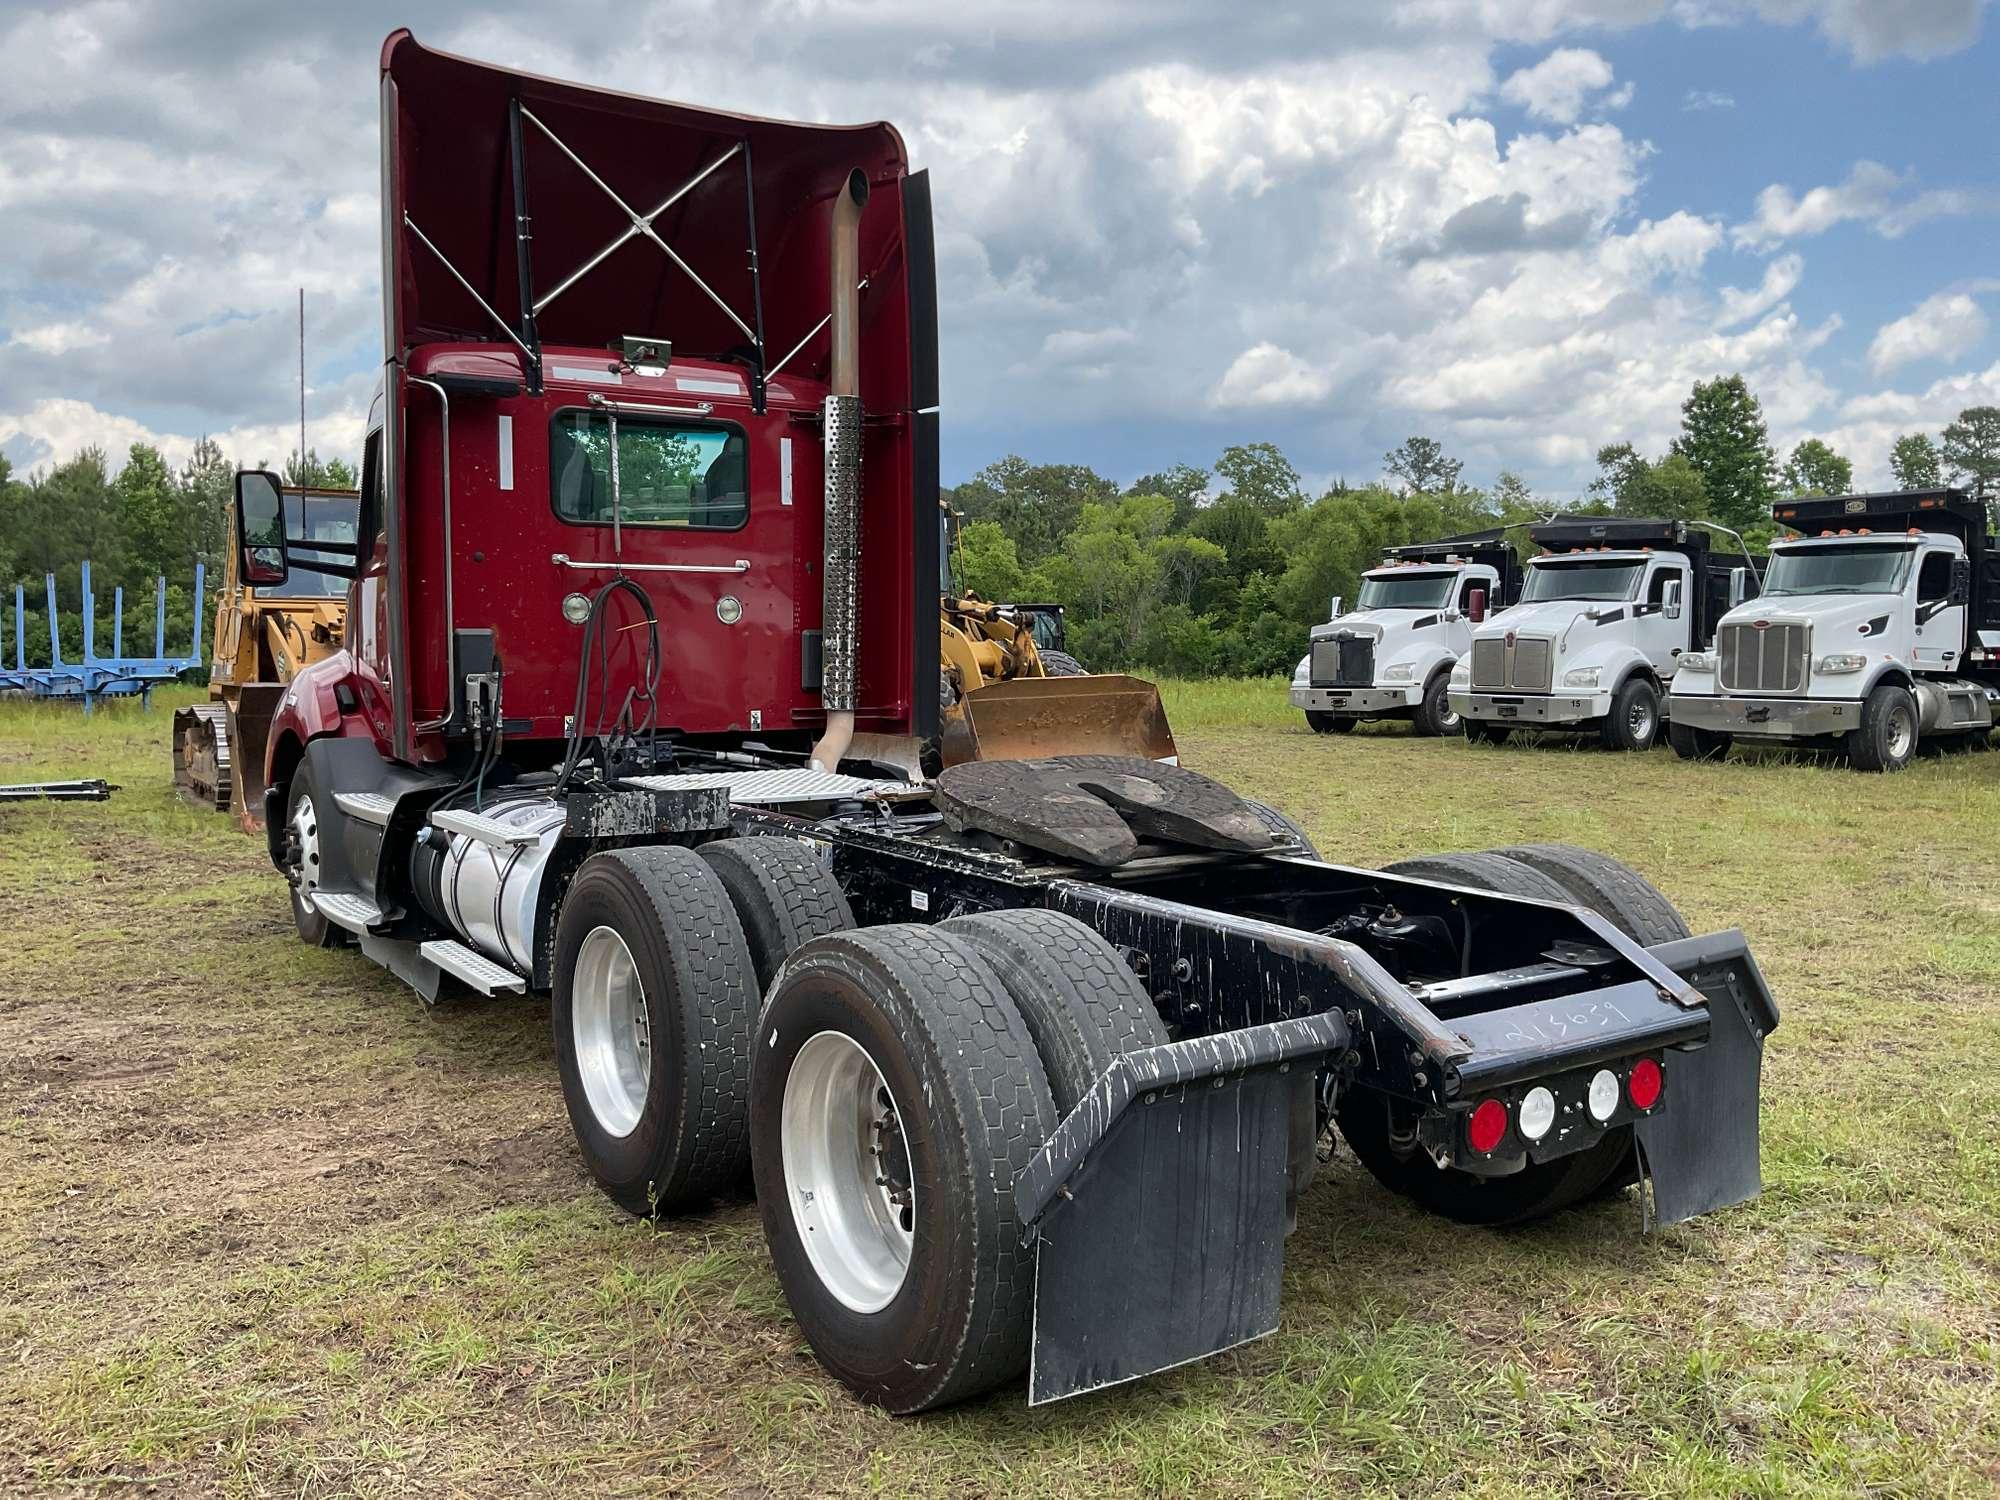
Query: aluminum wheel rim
{"x": 613, "y": 1031}
{"x": 847, "y": 1172}
{"x": 305, "y": 833}
{"x": 1640, "y": 721}
{"x": 1902, "y": 732}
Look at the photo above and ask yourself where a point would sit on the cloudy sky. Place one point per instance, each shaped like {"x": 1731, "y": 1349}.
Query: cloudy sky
{"x": 1521, "y": 226}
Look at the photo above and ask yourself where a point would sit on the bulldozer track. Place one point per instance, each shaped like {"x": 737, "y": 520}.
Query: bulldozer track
{"x": 201, "y": 754}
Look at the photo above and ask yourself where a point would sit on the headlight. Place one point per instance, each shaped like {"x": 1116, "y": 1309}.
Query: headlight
{"x": 1583, "y": 677}
{"x": 1842, "y": 663}
{"x": 1403, "y": 671}
{"x": 1303, "y": 670}
{"x": 1697, "y": 661}
{"x": 1461, "y": 675}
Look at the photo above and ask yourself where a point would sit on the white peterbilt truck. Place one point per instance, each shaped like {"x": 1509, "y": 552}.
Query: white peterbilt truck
{"x": 1391, "y": 657}
{"x": 1878, "y": 627}
{"x": 1608, "y": 611}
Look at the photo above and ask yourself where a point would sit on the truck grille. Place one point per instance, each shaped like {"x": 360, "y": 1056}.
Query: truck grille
{"x": 1344, "y": 661}
{"x": 1767, "y": 660}
{"x": 1518, "y": 664}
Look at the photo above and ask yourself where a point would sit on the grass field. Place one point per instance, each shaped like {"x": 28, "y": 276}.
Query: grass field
{"x": 269, "y": 1226}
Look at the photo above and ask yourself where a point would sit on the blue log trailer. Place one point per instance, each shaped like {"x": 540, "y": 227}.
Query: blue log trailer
{"x": 93, "y": 676}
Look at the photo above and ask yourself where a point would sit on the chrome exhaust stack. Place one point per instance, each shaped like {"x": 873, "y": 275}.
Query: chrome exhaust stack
{"x": 841, "y": 576}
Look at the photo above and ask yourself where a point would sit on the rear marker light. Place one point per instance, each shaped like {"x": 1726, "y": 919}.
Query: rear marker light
{"x": 1603, "y": 1095}
{"x": 1643, "y": 1086}
{"x": 1538, "y": 1113}
{"x": 1486, "y": 1128}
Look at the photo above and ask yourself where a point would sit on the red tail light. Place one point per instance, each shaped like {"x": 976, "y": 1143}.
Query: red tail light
{"x": 1488, "y": 1125}
{"x": 1643, "y": 1086}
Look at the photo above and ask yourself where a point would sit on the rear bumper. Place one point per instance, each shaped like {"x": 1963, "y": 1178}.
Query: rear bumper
{"x": 1531, "y": 708}
{"x": 1357, "y": 702}
{"x": 1777, "y": 718}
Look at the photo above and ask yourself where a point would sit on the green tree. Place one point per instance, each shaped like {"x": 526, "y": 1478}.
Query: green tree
{"x": 1183, "y": 484}
{"x": 1724, "y": 437}
{"x": 150, "y": 513}
{"x": 985, "y": 563}
{"x": 1630, "y": 486}
{"x": 207, "y": 491}
{"x": 336, "y": 473}
{"x": 1916, "y": 463}
{"x": 1038, "y": 505}
{"x": 1815, "y": 469}
{"x": 1421, "y": 467}
{"x": 1971, "y": 451}
{"x": 1511, "y": 492}
{"x": 1260, "y": 475}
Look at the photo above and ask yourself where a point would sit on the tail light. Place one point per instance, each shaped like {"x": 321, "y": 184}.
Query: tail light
{"x": 1487, "y": 1127}
{"x": 1642, "y": 1085}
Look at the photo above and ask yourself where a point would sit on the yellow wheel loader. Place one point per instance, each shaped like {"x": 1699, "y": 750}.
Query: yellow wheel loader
{"x": 263, "y": 635}
{"x": 1008, "y": 691}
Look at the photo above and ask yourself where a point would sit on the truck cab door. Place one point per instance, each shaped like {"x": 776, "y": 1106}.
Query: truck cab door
{"x": 1661, "y": 617}
{"x": 1940, "y": 626}
{"x": 1458, "y": 621}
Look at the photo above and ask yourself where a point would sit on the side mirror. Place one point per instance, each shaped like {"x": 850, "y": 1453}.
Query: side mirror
{"x": 262, "y": 560}
{"x": 1475, "y": 605}
{"x": 1739, "y": 586}
{"x": 1670, "y": 599}
{"x": 1333, "y": 611}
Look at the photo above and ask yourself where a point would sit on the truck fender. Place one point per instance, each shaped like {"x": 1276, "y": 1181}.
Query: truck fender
{"x": 324, "y": 699}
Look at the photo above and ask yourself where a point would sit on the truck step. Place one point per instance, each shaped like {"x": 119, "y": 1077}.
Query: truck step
{"x": 369, "y": 807}
{"x": 484, "y": 830}
{"x": 355, "y": 913}
{"x": 475, "y": 969}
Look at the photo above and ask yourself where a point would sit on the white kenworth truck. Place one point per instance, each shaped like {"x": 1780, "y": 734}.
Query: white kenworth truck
{"x": 1878, "y": 627}
{"x": 1607, "y": 611}
{"x": 1391, "y": 658}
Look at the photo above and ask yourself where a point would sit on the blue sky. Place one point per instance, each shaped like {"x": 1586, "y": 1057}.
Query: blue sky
{"x": 1521, "y": 226}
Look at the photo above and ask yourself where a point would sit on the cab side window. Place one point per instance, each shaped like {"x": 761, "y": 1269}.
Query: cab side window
{"x": 1656, "y": 591}
{"x": 1468, "y": 588}
{"x": 1934, "y": 582}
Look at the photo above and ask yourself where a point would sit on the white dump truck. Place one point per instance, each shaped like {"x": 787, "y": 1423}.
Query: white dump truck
{"x": 1391, "y": 658}
{"x": 1607, "y": 612}
{"x": 1878, "y": 627}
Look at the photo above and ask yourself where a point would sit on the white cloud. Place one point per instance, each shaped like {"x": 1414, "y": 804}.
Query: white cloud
{"x": 1560, "y": 86}
{"x": 1866, "y": 426}
{"x": 1941, "y": 327}
{"x": 1781, "y": 276}
{"x": 1871, "y": 194}
{"x": 1265, "y": 375}
{"x": 1701, "y": 99}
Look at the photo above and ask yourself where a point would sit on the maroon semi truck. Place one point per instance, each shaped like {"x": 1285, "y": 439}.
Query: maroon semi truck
{"x": 1028, "y": 1062}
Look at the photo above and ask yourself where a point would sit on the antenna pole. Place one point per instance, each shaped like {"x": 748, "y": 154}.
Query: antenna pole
{"x": 302, "y": 383}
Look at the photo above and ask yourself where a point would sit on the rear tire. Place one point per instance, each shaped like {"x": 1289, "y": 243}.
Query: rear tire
{"x": 652, "y": 1011}
{"x": 783, "y": 896}
{"x": 1325, "y": 723}
{"x": 1609, "y": 887}
{"x": 1886, "y": 739}
{"x": 1283, "y": 824}
{"x": 1082, "y": 1005}
{"x": 1061, "y": 664}
{"x": 1435, "y": 715}
{"x": 1634, "y": 720}
{"x": 1486, "y": 872}
{"x": 1697, "y": 744}
{"x": 1485, "y": 731}
{"x": 910, "y": 1301}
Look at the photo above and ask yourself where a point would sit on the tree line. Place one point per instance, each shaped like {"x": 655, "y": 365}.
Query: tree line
{"x": 149, "y": 520}
{"x": 1223, "y": 571}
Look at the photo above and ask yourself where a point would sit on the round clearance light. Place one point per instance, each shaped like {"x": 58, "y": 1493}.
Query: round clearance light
{"x": 1603, "y": 1095}
{"x": 1538, "y": 1113}
{"x": 729, "y": 609}
{"x": 576, "y": 608}
{"x": 1487, "y": 1126}
{"x": 1644, "y": 1083}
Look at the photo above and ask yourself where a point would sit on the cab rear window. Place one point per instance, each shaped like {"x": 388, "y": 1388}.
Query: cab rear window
{"x": 681, "y": 474}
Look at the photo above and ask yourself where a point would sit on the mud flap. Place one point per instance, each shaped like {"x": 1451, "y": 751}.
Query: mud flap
{"x": 1159, "y": 1206}
{"x": 1701, "y": 1152}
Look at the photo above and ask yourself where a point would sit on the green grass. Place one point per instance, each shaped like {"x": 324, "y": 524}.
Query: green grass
{"x": 269, "y": 1226}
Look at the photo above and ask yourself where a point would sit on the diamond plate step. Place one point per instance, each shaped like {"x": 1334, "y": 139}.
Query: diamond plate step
{"x": 476, "y": 969}
{"x": 369, "y": 807}
{"x": 484, "y": 830}
{"x": 762, "y": 788}
{"x": 355, "y": 913}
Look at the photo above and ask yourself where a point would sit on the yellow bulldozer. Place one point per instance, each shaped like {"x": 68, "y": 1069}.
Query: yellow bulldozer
{"x": 1008, "y": 690}
{"x": 263, "y": 635}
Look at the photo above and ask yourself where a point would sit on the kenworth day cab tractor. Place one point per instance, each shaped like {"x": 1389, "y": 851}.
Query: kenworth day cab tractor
{"x": 1608, "y": 609}
{"x": 1391, "y": 658}
{"x": 1028, "y": 1063}
{"x": 1878, "y": 628}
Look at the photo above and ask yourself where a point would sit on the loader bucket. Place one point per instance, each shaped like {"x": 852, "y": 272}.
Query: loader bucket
{"x": 1031, "y": 717}
{"x": 249, "y": 736}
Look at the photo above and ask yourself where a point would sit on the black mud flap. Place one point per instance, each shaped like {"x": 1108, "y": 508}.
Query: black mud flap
{"x": 1701, "y": 1152}
{"x": 1158, "y": 1207}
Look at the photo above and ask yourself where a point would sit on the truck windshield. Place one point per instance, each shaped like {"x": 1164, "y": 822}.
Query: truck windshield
{"x": 1580, "y": 579}
{"x": 1870, "y": 568}
{"x": 1405, "y": 591}
{"x": 319, "y": 518}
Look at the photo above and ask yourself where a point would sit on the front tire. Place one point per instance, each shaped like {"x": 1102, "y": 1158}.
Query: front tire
{"x": 1691, "y": 743}
{"x": 895, "y": 1096}
{"x": 655, "y": 995}
{"x": 1886, "y": 739}
{"x": 1061, "y": 664}
{"x": 302, "y": 834}
{"x": 1435, "y": 715}
{"x": 1634, "y": 720}
{"x": 1485, "y": 731}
